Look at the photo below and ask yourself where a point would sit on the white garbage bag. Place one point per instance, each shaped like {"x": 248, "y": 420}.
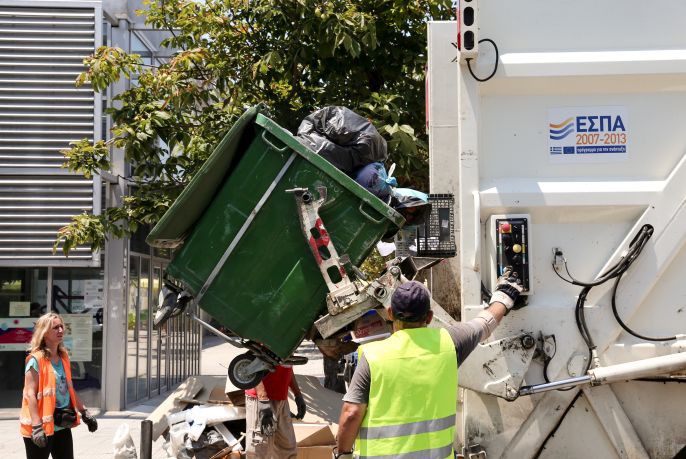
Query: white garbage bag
{"x": 123, "y": 443}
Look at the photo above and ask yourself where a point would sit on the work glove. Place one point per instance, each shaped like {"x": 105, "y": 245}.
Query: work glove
{"x": 266, "y": 418}
{"x": 302, "y": 407}
{"x": 89, "y": 420}
{"x": 38, "y": 436}
{"x": 507, "y": 289}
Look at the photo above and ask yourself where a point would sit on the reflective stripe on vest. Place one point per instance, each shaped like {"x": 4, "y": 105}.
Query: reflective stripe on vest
{"x": 411, "y": 428}
{"x": 437, "y": 453}
{"x": 412, "y": 396}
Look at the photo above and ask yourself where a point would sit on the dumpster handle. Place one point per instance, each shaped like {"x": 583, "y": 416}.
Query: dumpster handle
{"x": 369, "y": 217}
{"x": 271, "y": 145}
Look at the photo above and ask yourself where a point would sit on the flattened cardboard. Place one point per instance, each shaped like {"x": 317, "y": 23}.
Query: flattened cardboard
{"x": 208, "y": 385}
{"x": 323, "y": 405}
{"x": 237, "y": 397}
{"x": 218, "y": 393}
{"x": 307, "y": 434}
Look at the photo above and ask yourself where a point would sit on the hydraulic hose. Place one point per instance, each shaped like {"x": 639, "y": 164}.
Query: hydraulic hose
{"x": 616, "y": 271}
{"x": 625, "y": 326}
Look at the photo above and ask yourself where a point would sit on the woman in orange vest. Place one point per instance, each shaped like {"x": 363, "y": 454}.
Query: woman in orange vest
{"x": 50, "y": 405}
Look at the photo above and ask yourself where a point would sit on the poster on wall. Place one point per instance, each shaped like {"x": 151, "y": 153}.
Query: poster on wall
{"x": 93, "y": 293}
{"x": 20, "y": 308}
{"x": 15, "y": 334}
{"x": 593, "y": 134}
{"x": 78, "y": 336}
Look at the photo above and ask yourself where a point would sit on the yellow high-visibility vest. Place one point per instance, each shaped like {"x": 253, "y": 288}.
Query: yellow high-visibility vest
{"x": 412, "y": 398}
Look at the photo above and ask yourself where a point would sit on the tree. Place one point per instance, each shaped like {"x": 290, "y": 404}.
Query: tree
{"x": 294, "y": 55}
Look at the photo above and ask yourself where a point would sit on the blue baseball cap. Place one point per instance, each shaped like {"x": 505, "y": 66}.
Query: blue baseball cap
{"x": 411, "y": 302}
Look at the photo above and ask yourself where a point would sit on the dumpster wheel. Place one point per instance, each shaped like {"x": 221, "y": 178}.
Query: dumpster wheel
{"x": 239, "y": 374}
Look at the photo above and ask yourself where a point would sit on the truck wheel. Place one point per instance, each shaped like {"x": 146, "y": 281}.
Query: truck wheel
{"x": 238, "y": 374}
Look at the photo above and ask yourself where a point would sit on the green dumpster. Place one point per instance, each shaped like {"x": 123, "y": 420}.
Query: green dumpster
{"x": 242, "y": 250}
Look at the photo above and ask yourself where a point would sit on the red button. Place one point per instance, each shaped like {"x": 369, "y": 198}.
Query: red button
{"x": 505, "y": 227}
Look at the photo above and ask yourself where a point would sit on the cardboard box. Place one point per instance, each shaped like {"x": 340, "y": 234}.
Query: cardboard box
{"x": 314, "y": 440}
{"x": 370, "y": 325}
{"x": 314, "y": 452}
{"x": 313, "y": 434}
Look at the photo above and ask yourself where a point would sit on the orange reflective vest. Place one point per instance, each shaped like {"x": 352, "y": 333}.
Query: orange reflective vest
{"x": 46, "y": 396}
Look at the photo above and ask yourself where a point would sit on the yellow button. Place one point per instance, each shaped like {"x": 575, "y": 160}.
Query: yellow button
{"x": 517, "y": 248}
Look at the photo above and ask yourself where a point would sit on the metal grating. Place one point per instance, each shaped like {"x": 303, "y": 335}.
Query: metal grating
{"x": 436, "y": 237}
{"x": 33, "y": 209}
{"x": 41, "y": 112}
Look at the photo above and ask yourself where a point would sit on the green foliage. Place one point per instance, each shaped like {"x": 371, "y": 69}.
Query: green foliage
{"x": 374, "y": 264}
{"x": 84, "y": 228}
{"x": 87, "y": 158}
{"x": 106, "y": 66}
{"x": 294, "y": 55}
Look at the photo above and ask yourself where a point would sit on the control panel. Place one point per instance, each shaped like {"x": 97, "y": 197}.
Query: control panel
{"x": 508, "y": 245}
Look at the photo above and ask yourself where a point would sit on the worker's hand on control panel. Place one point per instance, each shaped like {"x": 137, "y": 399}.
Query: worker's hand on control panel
{"x": 302, "y": 407}
{"x": 507, "y": 289}
{"x": 266, "y": 418}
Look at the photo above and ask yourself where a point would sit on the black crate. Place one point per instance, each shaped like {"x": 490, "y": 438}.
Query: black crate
{"x": 436, "y": 237}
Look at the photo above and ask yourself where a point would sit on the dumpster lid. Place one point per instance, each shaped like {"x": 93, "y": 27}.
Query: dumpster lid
{"x": 175, "y": 224}
{"x": 335, "y": 173}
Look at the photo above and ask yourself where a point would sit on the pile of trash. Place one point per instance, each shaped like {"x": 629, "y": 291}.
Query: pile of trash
{"x": 204, "y": 418}
{"x": 198, "y": 420}
{"x": 206, "y": 432}
{"x": 352, "y": 144}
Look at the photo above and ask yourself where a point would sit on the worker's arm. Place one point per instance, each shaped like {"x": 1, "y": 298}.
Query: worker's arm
{"x": 261, "y": 392}
{"x": 349, "y": 423}
{"x": 86, "y": 417}
{"x": 506, "y": 292}
{"x": 265, "y": 414}
{"x": 78, "y": 403}
{"x": 293, "y": 386}
{"x": 497, "y": 311}
{"x": 354, "y": 407}
{"x": 467, "y": 335}
{"x": 30, "y": 391}
{"x": 299, "y": 400}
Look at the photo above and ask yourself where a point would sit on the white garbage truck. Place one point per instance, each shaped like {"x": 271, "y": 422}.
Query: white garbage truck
{"x": 560, "y": 128}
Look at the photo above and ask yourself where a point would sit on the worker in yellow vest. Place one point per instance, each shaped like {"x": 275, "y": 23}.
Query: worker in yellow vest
{"x": 401, "y": 402}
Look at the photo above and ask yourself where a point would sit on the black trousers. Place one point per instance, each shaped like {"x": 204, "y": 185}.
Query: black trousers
{"x": 60, "y": 445}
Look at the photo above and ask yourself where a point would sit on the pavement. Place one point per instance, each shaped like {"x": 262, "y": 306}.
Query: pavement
{"x": 216, "y": 355}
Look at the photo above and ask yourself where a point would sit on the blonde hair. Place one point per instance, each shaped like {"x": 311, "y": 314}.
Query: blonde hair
{"x": 43, "y": 324}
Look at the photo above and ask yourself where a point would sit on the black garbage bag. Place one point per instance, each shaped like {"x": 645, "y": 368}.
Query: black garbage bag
{"x": 344, "y": 138}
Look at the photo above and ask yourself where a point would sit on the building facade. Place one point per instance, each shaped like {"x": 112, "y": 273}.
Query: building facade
{"x": 107, "y": 298}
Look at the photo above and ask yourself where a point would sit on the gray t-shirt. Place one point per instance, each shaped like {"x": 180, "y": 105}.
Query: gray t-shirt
{"x": 465, "y": 335}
